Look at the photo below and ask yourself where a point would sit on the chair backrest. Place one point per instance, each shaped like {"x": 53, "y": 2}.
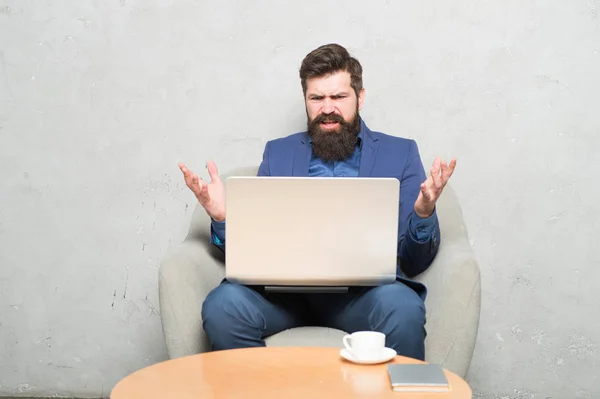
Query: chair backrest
{"x": 454, "y": 291}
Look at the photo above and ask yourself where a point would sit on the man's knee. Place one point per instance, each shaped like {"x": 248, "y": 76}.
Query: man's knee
{"x": 228, "y": 307}
{"x": 399, "y": 302}
{"x": 400, "y": 313}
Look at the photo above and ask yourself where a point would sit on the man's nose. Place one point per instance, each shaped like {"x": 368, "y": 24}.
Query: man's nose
{"x": 327, "y": 107}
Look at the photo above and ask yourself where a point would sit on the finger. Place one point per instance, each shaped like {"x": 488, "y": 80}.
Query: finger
{"x": 425, "y": 191}
{"x": 195, "y": 183}
{"x": 452, "y": 165}
{"x": 188, "y": 176}
{"x": 428, "y": 182}
{"x": 213, "y": 171}
{"x": 435, "y": 176}
{"x": 449, "y": 170}
{"x": 437, "y": 164}
{"x": 444, "y": 170}
{"x": 183, "y": 168}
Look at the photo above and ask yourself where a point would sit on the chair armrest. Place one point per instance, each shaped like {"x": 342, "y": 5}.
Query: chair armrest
{"x": 453, "y": 304}
{"x": 186, "y": 276}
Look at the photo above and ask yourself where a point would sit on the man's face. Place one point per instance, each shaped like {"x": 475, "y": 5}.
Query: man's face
{"x": 332, "y": 95}
{"x": 332, "y": 108}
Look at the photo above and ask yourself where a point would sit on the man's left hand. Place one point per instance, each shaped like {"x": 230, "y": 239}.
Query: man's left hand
{"x": 432, "y": 188}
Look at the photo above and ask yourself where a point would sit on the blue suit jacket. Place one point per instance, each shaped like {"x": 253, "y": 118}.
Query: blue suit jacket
{"x": 382, "y": 156}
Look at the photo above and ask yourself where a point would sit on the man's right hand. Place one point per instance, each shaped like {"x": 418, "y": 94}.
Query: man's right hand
{"x": 210, "y": 195}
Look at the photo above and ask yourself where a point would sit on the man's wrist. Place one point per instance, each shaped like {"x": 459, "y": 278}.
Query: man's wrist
{"x": 218, "y": 218}
{"x": 218, "y": 229}
{"x": 422, "y": 228}
{"x": 424, "y": 213}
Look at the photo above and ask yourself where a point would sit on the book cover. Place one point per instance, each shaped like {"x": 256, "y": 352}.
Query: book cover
{"x": 427, "y": 377}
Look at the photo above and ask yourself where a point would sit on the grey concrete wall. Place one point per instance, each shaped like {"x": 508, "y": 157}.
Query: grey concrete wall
{"x": 99, "y": 100}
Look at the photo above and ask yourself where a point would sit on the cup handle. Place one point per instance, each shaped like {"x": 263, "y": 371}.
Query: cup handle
{"x": 346, "y": 340}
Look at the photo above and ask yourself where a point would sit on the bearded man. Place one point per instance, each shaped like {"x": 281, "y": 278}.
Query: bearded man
{"x": 337, "y": 143}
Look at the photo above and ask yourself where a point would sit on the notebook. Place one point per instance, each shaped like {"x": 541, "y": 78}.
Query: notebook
{"x": 427, "y": 377}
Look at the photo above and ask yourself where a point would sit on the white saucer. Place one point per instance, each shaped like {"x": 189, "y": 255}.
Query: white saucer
{"x": 386, "y": 355}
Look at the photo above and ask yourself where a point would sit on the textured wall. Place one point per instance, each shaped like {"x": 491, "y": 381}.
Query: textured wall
{"x": 99, "y": 100}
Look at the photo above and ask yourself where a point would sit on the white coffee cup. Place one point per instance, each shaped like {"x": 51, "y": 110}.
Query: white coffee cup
{"x": 365, "y": 345}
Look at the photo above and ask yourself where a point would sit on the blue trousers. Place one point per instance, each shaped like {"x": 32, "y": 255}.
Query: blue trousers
{"x": 238, "y": 316}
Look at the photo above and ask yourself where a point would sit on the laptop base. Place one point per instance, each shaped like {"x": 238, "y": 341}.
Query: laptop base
{"x": 306, "y": 290}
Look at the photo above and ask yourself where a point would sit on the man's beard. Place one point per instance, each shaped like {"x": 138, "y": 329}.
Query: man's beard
{"x": 334, "y": 145}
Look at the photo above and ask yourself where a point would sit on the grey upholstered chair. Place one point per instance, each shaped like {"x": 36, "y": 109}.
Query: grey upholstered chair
{"x": 191, "y": 270}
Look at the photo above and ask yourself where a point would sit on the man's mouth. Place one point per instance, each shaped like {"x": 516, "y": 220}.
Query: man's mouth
{"x": 329, "y": 124}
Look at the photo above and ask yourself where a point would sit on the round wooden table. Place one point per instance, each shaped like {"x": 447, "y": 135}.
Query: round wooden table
{"x": 271, "y": 372}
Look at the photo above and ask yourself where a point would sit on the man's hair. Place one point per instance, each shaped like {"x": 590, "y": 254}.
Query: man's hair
{"x": 329, "y": 59}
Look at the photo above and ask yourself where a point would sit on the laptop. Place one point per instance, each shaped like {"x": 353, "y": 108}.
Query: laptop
{"x": 295, "y": 233}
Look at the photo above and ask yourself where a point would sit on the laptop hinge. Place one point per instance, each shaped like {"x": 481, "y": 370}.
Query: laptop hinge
{"x": 306, "y": 290}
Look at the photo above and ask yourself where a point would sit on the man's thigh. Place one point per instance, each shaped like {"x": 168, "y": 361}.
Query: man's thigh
{"x": 364, "y": 308}
{"x": 234, "y": 306}
{"x": 394, "y": 309}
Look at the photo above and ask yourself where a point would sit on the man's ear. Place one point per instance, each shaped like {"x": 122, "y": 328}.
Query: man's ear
{"x": 361, "y": 98}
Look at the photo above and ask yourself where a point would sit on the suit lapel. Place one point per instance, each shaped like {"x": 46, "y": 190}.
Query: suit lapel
{"x": 302, "y": 154}
{"x": 369, "y": 151}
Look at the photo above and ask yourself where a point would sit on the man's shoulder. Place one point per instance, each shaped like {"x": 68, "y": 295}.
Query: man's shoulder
{"x": 388, "y": 139}
{"x": 291, "y": 139}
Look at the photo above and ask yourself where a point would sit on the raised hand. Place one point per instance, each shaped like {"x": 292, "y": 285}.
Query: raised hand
{"x": 432, "y": 187}
{"x": 210, "y": 195}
